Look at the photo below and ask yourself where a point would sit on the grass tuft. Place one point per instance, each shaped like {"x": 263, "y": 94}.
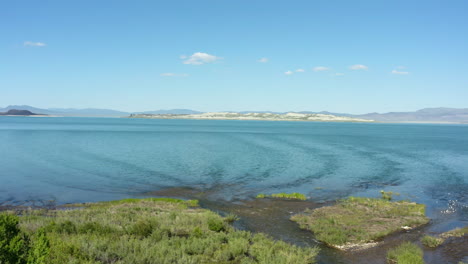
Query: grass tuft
{"x": 293, "y": 196}
{"x": 406, "y": 253}
{"x": 432, "y": 242}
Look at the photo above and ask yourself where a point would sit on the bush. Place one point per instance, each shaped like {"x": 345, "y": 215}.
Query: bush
{"x": 142, "y": 228}
{"x": 216, "y": 225}
{"x": 13, "y": 244}
{"x": 406, "y": 253}
{"x": 40, "y": 249}
{"x": 148, "y": 231}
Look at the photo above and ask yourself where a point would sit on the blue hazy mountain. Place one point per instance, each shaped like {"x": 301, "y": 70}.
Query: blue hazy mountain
{"x": 441, "y": 114}
{"x": 91, "y": 112}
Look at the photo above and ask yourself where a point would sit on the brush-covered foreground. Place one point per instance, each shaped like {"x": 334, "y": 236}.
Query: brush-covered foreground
{"x": 356, "y": 221}
{"x": 292, "y": 196}
{"x": 142, "y": 231}
{"x": 406, "y": 253}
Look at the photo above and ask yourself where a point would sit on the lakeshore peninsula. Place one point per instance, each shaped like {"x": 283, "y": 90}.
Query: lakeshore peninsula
{"x": 254, "y": 116}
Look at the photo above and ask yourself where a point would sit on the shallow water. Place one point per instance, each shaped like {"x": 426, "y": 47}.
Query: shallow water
{"x": 93, "y": 159}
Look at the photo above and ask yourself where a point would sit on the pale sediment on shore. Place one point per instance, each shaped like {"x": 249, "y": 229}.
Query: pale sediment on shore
{"x": 254, "y": 116}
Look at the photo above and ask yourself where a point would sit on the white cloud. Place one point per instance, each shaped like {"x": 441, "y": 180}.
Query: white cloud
{"x": 171, "y": 74}
{"x": 300, "y": 70}
{"x": 199, "y": 58}
{"x": 400, "y": 72}
{"x": 33, "y": 44}
{"x": 320, "y": 68}
{"x": 263, "y": 60}
{"x": 358, "y": 67}
{"x": 288, "y": 72}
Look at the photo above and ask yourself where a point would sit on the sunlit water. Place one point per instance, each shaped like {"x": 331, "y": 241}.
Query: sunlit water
{"x": 92, "y": 159}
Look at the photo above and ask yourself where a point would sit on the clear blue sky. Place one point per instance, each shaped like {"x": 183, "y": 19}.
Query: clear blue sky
{"x": 356, "y": 56}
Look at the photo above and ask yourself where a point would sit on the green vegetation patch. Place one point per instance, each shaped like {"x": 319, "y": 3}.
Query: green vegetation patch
{"x": 458, "y": 232}
{"x": 294, "y": 196}
{"x": 435, "y": 241}
{"x": 140, "y": 231}
{"x": 430, "y": 241}
{"x": 360, "y": 220}
{"x": 406, "y": 253}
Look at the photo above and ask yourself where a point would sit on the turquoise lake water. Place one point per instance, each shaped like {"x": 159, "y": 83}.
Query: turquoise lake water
{"x": 93, "y": 159}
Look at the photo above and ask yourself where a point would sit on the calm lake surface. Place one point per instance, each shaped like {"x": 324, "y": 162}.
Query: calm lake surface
{"x": 94, "y": 159}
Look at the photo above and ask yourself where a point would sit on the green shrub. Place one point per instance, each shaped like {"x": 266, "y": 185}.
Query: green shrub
{"x": 13, "y": 244}
{"x": 149, "y": 231}
{"x": 142, "y": 228}
{"x": 216, "y": 225}
{"x": 66, "y": 227}
{"x": 94, "y": 228}
{"x": 406, "y": 253}
{"x": 40, "y": 248}
{"x": 430, "y": 241}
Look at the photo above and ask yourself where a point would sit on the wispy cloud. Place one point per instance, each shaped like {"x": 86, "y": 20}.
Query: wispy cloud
{"x": 358, "y": 67}
{"x": 300, "y": 70}
{"x": 400, "y": 72}
{"x": 288, "y": 72}
{"x": 338, "y": 74}
{"x": 172, "y": 74}
{"x": 320, "y": 68}
{"x": 263, "y": 60}
{"x": 199, "y": 58}
{"x": 33, "y": 44}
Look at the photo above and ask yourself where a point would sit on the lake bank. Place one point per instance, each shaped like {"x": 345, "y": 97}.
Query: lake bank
{"x": 273, "y": 217}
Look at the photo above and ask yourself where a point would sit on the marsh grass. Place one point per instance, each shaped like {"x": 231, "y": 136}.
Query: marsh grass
{"x": 149, "y": 231}
{"x": 387, "y": 195}
{"x": 360, "y": 220}
{"x": 406, "y": 253}
{"x": 293, "y": 196}
{"x": 435, "y": 241}
{"x": 458, "y": 232}
{"x": 432, "y": 242}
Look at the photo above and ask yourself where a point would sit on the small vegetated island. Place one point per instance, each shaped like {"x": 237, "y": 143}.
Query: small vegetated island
{"x": 15, "y": 112}
{"x": 254, "y": 116}
{"x": 357, "y": 222}
{"x": 152, "y": 230}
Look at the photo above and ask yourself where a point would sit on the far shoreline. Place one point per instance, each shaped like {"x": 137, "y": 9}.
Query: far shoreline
{"x": 316, "y": 121}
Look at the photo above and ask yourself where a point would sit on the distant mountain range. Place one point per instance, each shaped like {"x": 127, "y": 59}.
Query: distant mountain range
{"x": 14, "y": 112}
{"x": 91, "y": 112}
{"x": 455, "y": 115}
